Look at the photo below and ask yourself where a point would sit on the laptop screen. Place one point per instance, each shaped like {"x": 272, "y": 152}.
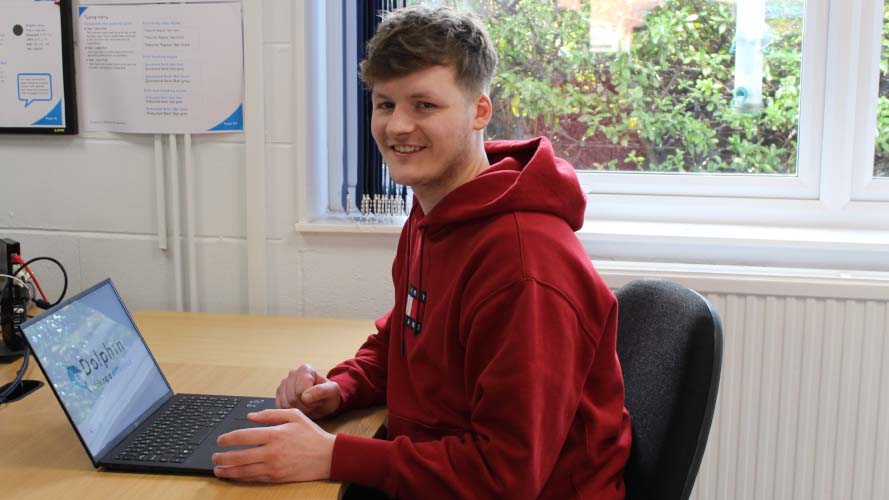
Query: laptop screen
{"x": 97, "y": 363}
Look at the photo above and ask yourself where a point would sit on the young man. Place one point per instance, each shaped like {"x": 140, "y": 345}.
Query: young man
{"x": 497, "y": 361}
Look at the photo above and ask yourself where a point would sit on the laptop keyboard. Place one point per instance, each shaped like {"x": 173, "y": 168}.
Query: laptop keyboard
{"x": 179, "y": 430}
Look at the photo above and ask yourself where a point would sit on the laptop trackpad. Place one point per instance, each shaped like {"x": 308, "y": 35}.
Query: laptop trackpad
{"x": 252, "y": 406}
{"x": 239, "y": 417}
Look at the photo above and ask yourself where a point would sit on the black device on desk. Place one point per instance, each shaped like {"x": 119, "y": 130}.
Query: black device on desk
{"x": 115, "y": 395}
{"x": 13, "y": 302}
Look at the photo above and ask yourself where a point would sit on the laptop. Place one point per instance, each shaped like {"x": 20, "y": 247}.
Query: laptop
{"x": 115, "y": 395}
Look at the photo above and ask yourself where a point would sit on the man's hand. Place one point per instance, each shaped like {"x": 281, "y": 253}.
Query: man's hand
{"x": 295, "y": 449}
{"x": 309, "y": 392}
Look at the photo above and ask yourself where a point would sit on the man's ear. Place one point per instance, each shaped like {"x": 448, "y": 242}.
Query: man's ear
{"x": 484, "y": 110}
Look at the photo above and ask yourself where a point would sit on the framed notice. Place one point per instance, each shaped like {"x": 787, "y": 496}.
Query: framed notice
{"x": 161, "y": 68}
{"x": 37, "y": 93}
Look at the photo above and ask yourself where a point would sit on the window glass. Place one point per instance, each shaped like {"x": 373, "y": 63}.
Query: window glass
{"x": 881, "y": 155}
{"x": 697, "y": 86}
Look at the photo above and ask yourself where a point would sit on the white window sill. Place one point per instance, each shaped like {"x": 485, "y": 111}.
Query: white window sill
{"x": 713, "y": 244}
{"x": 746, "y": 280}
{"x": 351, "y": 224}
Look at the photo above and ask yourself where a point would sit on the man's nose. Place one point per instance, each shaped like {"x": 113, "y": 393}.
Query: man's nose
{"x": 401, "y": 122}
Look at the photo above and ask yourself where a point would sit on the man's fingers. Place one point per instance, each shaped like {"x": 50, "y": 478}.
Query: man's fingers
{"x": 304, "y": 380}
{"x": 311, "y": 395}
{"x": 246, "y": 437}
{"x": 281, "y": 400}
{"x": 298, "y": 380}
{"x": 275, "y": 417}
{"x": 289, "y": 393}
{"x": 251, "y": 472}
{"x": 317, "y": 377}
{"x": 239, "y": 457}
{"x": 319, "y": 392}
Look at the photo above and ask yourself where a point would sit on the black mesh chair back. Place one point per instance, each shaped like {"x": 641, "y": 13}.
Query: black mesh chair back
{"x": 669, "y": 341}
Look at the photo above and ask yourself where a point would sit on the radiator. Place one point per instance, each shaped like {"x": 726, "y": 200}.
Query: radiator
{"x": 803, "y": 405}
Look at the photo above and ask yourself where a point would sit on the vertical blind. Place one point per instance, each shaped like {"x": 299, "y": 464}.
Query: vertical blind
{"x": 373, "y": 178}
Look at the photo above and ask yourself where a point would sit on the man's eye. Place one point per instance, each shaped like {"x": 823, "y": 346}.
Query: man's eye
{"x": 426, "y": 105}
{"x": 384, "y": 105}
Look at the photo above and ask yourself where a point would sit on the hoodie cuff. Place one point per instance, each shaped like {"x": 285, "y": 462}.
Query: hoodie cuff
{"x": 348, "y": 388}
{"x": 362, "y": 460}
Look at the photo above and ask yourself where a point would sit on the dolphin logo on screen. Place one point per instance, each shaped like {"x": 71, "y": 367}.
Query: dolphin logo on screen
{"x": 75, "y": 375}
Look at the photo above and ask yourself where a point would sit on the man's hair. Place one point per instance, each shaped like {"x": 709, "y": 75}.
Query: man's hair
{"x": 418, "y": 37}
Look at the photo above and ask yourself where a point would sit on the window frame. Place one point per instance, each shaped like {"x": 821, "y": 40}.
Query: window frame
{"x": 866, "y": 187}
{"x": 342, "y": 103}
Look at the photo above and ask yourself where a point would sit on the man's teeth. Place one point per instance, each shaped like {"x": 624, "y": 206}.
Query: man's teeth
{"x": 406, "y": 149}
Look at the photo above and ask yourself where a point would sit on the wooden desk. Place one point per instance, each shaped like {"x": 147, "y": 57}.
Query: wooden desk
{"x": 41, "y": 457}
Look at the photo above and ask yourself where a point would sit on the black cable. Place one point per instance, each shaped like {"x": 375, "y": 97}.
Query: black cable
{"x": 18, "y": 377}
{"x": 41, "y": 303}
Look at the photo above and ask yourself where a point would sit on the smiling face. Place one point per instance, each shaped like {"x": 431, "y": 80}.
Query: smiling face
{"x": 430, "y": 131}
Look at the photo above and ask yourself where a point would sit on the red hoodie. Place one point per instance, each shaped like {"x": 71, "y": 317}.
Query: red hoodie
{"x": 498, "y": 361}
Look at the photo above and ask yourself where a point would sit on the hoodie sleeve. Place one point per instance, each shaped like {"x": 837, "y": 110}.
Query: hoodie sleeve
{"x": 528, "y": 357}
{"x": 362, "y": 379}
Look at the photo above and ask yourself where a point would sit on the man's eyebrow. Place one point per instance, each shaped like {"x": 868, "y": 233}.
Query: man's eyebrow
{"x": 416, "y": 95}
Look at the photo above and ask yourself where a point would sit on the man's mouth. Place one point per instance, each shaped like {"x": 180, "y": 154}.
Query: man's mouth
{"x": 406, "y": 149}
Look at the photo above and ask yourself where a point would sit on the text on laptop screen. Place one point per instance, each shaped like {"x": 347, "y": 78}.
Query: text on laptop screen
{"x": 98, "y": 364}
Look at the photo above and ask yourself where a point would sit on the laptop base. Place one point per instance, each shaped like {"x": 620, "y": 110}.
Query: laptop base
{"x": 196, "y": 459}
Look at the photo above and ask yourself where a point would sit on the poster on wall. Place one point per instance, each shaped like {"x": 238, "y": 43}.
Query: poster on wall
{"x": 161, "y": 68}
{"x": 37, "y": 68}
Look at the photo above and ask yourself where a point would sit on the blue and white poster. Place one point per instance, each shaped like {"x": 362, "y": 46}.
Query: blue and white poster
{"x": 31, "y": 71}
{"x": 161, "y": 68}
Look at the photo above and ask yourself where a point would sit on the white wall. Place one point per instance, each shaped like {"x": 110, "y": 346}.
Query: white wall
{"x": 89, "y": 201}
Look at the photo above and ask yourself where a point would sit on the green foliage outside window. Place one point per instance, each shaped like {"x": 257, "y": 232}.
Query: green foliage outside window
{"x": 664, "y": 105}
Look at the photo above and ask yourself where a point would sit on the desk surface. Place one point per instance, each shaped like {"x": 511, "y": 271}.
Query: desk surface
{"x": 41, "y": 457}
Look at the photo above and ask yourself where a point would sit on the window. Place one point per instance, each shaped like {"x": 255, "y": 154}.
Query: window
{"x": 729, "y": 115}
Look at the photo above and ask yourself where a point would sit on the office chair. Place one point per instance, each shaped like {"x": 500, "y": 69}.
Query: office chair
{"x": 669, "y": 342}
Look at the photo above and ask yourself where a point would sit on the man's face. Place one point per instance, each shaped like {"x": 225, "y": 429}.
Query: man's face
{"x": 423, "y": 124}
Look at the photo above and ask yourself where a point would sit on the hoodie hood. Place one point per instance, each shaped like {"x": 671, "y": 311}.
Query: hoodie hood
{"x": 524, "y": 176}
